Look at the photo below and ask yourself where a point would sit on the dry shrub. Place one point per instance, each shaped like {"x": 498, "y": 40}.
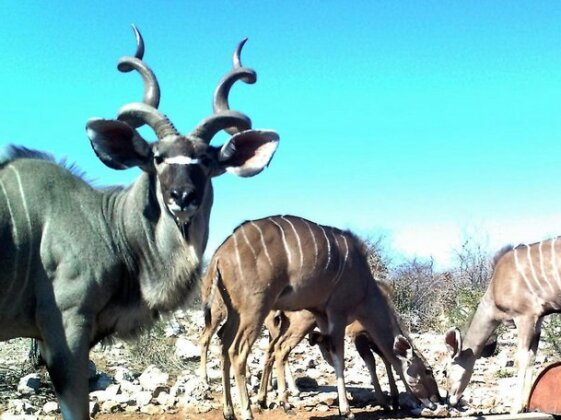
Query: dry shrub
{"x": 154, "y": 348}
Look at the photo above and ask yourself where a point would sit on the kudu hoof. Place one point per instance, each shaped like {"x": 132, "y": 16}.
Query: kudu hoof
{"x": 288, "y": 409}
{"x": 348, "y": 415}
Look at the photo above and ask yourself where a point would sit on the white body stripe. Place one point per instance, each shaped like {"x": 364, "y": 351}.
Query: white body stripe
{"x": 248, "y": 243}
{"x": 545, "y": 278}
{"x": 328, "y": 247}
{"x": 238, "y": 258}
{"x": 298, "y": 241}
{"x": 315, "y": 244}
{"x": 554, "y": 267}
{"x": 532, "y": 270}
{"x": 518, "y": 268}
{"x": 181, "y": 160}
{"x": 284, "y": 242}
{"x": 344, "y": 262}
{"x": 263, "y": 242}
{"x": 24, "y": 203}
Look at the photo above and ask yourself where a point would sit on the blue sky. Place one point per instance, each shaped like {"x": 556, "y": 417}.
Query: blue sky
{"x": 423, "y": 121}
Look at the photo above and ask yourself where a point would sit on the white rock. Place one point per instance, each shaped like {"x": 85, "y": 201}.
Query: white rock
{"x": 123, "y": 374}
{"x": 152, "y": 377}
{"x": 29, "y": 384}
{"x": 186, "y": 350}
{"x": 142, "y": 398}
{"x": 50, "y": 407}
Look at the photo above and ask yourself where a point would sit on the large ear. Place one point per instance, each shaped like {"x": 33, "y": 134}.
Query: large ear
{"x": 453, "y": 340}
{"x": 247, "y": 153}
{"x": 402, "y": 348}
{"x": 118, "y": 145}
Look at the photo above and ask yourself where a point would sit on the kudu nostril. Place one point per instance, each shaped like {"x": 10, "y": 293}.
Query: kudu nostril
{"x": 183, "y": 198}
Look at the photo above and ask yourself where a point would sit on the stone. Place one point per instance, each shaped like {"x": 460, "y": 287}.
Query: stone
{"x": 50, "y": 407}
{"x": 123, "y": 375}
{"x": 110, "y": 406}
{"x": 151, "y": 409}
{"x": 152, "y": 378}
{"x": 186, "y": 350}
{"x": 142, "y": 398}
{"x": 29, "y": 384}
{"x": 100, "y": 382}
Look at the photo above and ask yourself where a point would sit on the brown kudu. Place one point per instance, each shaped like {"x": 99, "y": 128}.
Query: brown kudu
{"x": 288, "y": 263}
{"x": 289, "y": 330}
{"x": 525, "y": 287}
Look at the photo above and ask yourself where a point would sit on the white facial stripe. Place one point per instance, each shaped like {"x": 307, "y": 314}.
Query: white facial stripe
{"x": 181, "y": 160}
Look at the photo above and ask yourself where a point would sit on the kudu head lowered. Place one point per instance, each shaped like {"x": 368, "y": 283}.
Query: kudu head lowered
{"x": 182, "y": 164}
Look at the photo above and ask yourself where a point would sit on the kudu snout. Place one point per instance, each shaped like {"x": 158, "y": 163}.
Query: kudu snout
{"x": 184, "y": 199}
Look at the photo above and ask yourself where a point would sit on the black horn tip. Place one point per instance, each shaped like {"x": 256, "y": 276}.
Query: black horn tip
{"x": 236, "y": 60}
{"x": 139, "y": 42}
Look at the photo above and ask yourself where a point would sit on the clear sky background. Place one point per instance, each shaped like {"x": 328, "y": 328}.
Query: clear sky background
{"x": 424, "y": 121}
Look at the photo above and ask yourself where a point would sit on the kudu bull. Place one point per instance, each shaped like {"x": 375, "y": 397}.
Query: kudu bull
{"x": 79, "y": 264}
{"x": 525, "y": 287}
{"x": 289, "y": 263}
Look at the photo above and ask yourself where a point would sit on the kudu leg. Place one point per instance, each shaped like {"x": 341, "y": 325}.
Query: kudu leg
{"x": 227, "y": 334}
{"x": 529, "y": 331}
{"x": 204, "y": 343}
{"x": 290, "y": 382}
{"x": 336, "y": 348}
{"x": 266, "y": 374}
{"x": 239, "y": 351}
{"x": 66, "y": 358}
{"x": 363, "y": 348}
{"x": 394, "y": 392}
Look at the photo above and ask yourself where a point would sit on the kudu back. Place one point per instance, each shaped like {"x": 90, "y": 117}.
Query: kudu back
{"x": 79, "y": 264}
{"x": 289, "y": 263}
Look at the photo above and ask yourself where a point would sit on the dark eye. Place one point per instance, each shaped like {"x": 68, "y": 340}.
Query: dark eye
{"x": 158, "y": 159}
{"x": 205, "y": 160}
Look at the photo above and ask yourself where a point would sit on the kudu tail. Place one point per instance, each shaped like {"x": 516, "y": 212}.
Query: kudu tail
{"x": 211, "y": 296}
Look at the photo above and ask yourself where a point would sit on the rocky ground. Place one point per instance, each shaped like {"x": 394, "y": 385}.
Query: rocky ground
{"x": 124, "y": 383}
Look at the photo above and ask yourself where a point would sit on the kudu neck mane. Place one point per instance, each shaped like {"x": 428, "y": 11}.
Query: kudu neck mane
{"x": 153, "y": 246}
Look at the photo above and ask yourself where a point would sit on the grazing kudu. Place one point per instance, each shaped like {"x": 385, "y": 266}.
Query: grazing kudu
{"x": 78, "y": 264}
{"x": 291, "y": 328}
{"x": 289, "y": 263}
{"x": 286, "y": 330}
{"x": 525, "y": 287}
